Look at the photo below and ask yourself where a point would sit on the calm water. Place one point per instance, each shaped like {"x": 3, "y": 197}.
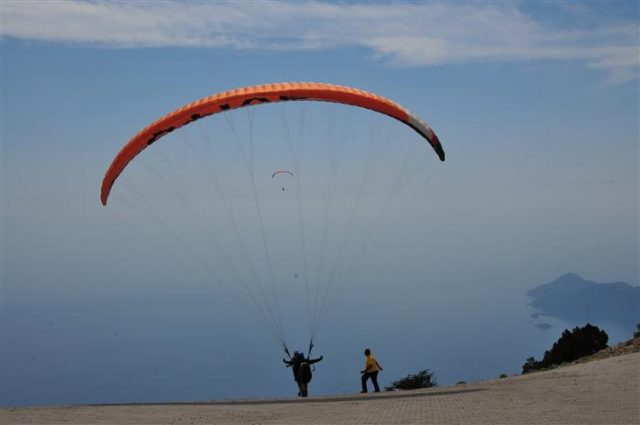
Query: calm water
{"x": 170, "y": 345}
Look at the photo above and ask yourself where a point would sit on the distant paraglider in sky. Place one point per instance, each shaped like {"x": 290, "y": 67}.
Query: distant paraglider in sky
{"x": 282, "y": 172}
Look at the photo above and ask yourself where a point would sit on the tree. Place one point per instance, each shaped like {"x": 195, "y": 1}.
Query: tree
{"x": 572, "y": 345}
{"x": 530, "y": 365}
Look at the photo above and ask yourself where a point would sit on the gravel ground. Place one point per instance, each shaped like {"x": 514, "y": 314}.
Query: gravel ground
{"x": 603, "y": 391}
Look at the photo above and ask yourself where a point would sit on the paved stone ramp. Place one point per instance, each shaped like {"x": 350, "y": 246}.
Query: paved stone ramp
{"x": 599, "y": 392}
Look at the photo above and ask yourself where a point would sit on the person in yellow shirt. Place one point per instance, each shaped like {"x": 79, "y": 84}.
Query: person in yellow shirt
{"x": 371, "y": 369}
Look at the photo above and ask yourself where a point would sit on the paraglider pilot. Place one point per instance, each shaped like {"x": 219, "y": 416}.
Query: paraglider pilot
{"x": 301, "y": 371}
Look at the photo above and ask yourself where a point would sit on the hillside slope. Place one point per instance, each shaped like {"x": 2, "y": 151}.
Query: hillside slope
{"x": 600, "y": 391}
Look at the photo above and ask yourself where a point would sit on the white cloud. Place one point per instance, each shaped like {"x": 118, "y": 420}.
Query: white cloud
{"x": 409, "y": 34}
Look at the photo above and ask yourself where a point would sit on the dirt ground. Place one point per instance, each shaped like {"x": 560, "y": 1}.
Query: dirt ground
{"x": 602, "y": 391}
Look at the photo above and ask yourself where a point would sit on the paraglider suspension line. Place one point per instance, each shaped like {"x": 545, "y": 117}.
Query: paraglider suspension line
{"x": 286, "y": 350}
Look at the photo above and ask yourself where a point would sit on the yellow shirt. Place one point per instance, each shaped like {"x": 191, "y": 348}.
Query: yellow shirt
{"x": 370, "y": 364}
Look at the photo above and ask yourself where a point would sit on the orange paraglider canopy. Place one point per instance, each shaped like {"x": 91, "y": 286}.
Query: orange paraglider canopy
{"x": 267, "y": 93}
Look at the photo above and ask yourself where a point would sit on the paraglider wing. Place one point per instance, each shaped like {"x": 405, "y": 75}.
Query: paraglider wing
{"x": 277, "y": 172}
{"x": 268, "y": 93}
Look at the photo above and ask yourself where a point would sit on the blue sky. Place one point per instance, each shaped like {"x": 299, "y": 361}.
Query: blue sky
{"x": 536, "y": 105}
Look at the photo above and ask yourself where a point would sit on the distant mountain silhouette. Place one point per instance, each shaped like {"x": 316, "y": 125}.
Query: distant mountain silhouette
{"x": 576, "y": 300}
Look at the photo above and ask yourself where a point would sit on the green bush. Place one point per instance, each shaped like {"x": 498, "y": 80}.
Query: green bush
{"x": 423, "y": 379}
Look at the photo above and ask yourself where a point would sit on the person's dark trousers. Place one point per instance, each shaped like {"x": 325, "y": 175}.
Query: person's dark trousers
{"x": 374, "y": 379}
